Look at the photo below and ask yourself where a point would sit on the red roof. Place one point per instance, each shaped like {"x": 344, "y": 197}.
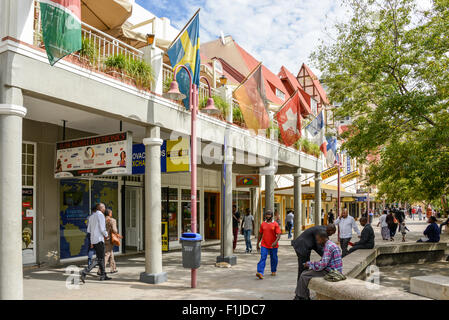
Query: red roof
{"x": 316, "y": 83}
{"x": 293, "y": 83}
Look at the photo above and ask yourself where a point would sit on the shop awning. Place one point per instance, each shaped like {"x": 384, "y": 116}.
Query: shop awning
{"x": 105, "y": 14}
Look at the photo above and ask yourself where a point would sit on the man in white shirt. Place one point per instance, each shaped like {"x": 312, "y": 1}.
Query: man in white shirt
{"x": 97, "y": 230}
{"x": 346, "y": 224}
{"x": 289, "y": 223}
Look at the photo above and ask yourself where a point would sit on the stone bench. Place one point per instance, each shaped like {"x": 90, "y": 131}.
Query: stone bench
{"x": 434, "y": 287}
{"x": 354, "y": 266}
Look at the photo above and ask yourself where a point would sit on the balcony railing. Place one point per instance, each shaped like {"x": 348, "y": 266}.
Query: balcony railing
{"x": 103, "y": 45}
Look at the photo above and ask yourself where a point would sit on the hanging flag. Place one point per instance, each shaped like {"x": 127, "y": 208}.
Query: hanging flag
{"x": 316, "y": 130}
{"x": 289, "y": 119}
{"x": 331, "y": 150}
{"x": 61, "y": 27}
{"x": 252, "y": 100}
{"x": 185, "y": 50}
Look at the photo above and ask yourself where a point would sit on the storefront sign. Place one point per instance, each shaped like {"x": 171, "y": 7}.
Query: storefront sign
{"x": 348, "y": 164}
{"x": 248, "y": 180}
{"x": 349, "y": 176}
{"x": 175, "y": 157}
{"x": 347, "y": 199}
{"x": 164, "y": 230}
{"x": 329, "y": 172}
{"x": 94, "y": 156}
{"x": 360, "y": 199}
{"x": 311, "y": 196}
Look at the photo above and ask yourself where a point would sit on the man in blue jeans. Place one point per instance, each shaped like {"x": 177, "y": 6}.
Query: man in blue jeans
{"x": 269, "y": 233}
{"x": 247, "y": 229}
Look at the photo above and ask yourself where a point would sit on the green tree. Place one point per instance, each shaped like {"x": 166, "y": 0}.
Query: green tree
{"x": 388, "y": 66}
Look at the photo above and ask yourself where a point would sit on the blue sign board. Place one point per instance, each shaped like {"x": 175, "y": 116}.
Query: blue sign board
{"x": 361, "y": 199}
{"x": 348, "y": 164}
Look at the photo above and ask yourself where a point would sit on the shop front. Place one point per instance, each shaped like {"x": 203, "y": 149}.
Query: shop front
{"x": 28, "y": 202}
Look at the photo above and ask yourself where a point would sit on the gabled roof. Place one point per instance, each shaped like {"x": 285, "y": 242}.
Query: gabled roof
{"x": 290, "y": 81}
{"x": 309, "y": 81}
{"x": 243, "y": 62}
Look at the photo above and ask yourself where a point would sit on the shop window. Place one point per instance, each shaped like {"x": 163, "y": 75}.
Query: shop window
{"x": 28, "y": 159}
{"x": 187, "y": 212}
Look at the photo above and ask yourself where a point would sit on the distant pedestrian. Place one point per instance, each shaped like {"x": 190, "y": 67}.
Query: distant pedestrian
{"x": 403, "y": 229}
{"x": 97, "y": 230}
{"x": 385, "y": 231}
{"x": 235, "y": 225}
{"x": 413, "y": 213}
{"x": 277, "y": 219}
{"x": 248, "y": 227}
{"x": 322, "y": 217}
{"x": 330, "y": 217}
{"x": 370, "y": 216}
{"x": 432, "y": 232}
{"x": 392, "y": 225}
{"x": 419, "y": 213}
{"x": 111, "y": 227}
{"x": 269, "y": 233}
{"x": 331, "y": 261}
{"x": 367, "y": 237}
{"x": 346, "y": 224}
{"x": 289, "y": 223}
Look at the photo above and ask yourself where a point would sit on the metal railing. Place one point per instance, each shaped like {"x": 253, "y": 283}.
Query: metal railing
{"x": 101, "y": 44}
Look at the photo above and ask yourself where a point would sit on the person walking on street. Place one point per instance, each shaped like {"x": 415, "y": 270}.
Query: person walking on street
{"x": 370, "y": 216}
{"x": 419, "y": 213}
{"x": 269, "y": 233}
{"x": 289, "y": 223}
{"x": 403, "y": 229}
{"x": 248, "y": 227}
{"x": 306, "y": 242}
{"x": 331, "y": 261}
{"x": 90, "y": 246}
{"x": 367, "y": 237}
{"x": 392, "y": 225}
{"x": 384, "y": 230}
{"x": 235, "y": 225}
{"x": 111, "y": 227}
{"x": 97, "y": 230}
{"x": 346, "y": 224}
{"x": 330, "y": 217}
{"x": 277, "y": 219}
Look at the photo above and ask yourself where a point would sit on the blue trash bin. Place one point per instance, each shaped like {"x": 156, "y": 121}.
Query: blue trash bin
{"x": 191, "y": 250}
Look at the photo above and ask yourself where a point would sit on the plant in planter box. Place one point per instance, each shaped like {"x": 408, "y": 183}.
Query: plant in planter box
{"x": 315, "y": 150}
{"x": 219, "y": 102}
{"x": 237, "y": 115}
{"x": 166, "y": 83}
{"x": 89, "y": 51}
{"x": 141, "y": 72}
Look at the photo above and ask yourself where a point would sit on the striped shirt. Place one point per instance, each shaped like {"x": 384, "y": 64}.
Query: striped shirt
{"x": 331, "y": 259}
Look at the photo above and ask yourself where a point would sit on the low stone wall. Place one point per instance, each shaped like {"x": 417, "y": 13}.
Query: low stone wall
{"x": 355, "y": 264}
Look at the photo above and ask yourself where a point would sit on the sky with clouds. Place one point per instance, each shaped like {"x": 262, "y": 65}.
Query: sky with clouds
{"x": 276, "y": 32}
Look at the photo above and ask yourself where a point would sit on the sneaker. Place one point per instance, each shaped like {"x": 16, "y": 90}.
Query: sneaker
{"x": 115, "y": 271}
{"x": 105, "y": 278}
{"x": 259, "y": 275}
{"x": 273, "y": 274}
{"x": 83, "y": 276}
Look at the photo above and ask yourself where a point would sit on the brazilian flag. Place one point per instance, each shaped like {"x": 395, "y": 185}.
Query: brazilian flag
{"x": 186, "y": 50}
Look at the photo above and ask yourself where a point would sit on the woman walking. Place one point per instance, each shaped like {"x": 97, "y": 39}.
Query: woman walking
{"x": 385, "y": 231}
{"x": 111, "y": 227}
{"x": 392, "y": 225}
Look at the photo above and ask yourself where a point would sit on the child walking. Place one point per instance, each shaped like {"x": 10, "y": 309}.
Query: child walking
{"x": 403, "y": 229}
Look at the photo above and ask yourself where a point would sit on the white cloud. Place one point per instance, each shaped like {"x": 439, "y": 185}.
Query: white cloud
{"x": 277, "y": 32}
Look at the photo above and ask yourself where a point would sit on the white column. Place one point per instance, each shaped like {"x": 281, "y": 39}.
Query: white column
{"x": 11, "y": 272}
{"x": 154, "y": 56}
{"x": 269, "y": 192}
{"x": 227, "y": 236}
{"x": 317, "y": 199}
{"x": 153, "y": 240}
{"x": 297, "y": 197}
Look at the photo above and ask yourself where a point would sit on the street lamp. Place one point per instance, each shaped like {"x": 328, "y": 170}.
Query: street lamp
{"x": 223, "y": 80}
{"x": 175, "y": 94}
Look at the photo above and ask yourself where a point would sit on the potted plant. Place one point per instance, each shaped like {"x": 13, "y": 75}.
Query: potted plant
{"x": 220, "y": 104}
{"x": 116, "y": 65}
{"x": 89, "y": 52}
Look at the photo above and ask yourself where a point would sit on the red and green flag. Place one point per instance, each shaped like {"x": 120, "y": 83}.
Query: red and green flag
{"x": 61, "y": 27}
{"x": 252, "y": 100}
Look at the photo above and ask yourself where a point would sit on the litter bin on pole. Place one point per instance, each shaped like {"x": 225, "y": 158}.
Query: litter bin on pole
{"x": 191, "y": 250}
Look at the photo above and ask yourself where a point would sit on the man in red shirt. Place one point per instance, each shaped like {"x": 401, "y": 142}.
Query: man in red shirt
{"x": 269, "y": 233}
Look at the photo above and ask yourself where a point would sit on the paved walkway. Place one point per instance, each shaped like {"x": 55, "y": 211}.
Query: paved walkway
{"x": 238, "y": 282}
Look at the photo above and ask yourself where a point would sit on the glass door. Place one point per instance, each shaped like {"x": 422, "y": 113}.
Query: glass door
{"x": 28, "y": 203}
{"x": 133, "y": 217}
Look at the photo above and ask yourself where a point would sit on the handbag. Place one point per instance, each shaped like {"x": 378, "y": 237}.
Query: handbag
{"x": 115, "y": 239}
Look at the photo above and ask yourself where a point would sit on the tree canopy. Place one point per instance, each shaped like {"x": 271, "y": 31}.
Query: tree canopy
{"x": 389, "y": 69}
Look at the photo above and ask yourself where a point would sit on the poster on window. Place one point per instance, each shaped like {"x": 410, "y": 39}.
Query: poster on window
{"x": 94, "y": 156}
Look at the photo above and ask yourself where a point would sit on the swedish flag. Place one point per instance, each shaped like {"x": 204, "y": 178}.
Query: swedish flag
{"x": 186, "y": 50}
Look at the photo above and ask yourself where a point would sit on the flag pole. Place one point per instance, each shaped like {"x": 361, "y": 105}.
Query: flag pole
{"x": 185, "y": 27}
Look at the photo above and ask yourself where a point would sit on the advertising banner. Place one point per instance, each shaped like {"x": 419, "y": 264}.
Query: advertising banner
{"x": 248, "y": 180}
{"x": 94, "y": 156}
{"x": 348, "y": 164}
{"x": 175, "y": 157}
{"x": 164, "y": 234}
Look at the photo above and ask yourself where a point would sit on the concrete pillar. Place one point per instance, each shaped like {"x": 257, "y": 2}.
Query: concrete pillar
{"x": 317, "y": 199}
{"x": 11, "y": 272}
{"x": 269, "y": 191}
{"x": 226, "y": 254}
{"x": 16, "y": 19}
{"x": 154, "y": 56}
{"x": 153, "y": 240}
{"x": 297, "y": 197}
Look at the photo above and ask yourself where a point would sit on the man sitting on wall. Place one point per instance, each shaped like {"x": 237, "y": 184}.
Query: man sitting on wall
{"x": 330, "y": 261}
{"x": 366, "y": 238}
